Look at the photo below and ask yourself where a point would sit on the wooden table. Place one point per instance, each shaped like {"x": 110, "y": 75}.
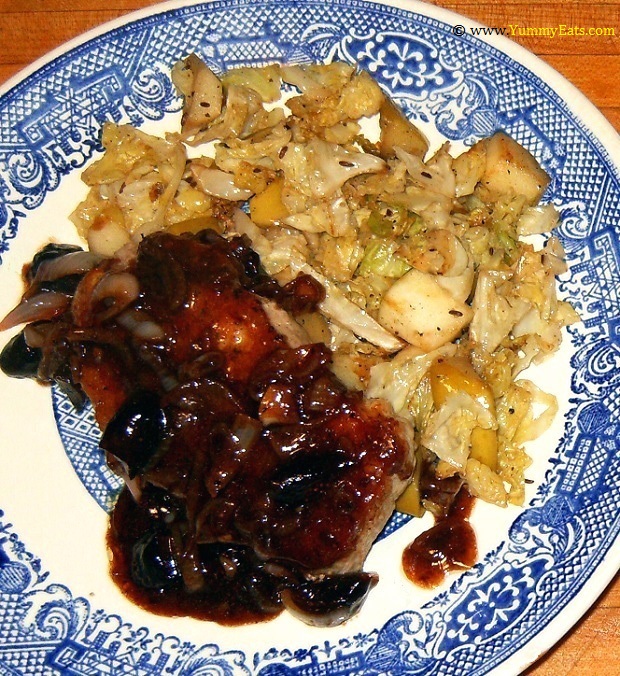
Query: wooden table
{"x": 31, "y": 28}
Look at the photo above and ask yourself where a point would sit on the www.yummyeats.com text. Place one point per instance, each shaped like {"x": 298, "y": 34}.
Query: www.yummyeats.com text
{"x": 518, "y": 30}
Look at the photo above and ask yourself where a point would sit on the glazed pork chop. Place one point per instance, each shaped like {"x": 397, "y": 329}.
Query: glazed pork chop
{"x": 254, "y": 480}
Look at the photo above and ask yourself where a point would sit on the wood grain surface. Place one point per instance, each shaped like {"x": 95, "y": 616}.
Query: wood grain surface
{"x": 591, "y": 61}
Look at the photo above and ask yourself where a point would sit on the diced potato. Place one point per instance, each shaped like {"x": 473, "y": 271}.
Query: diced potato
{"x": 417, "y": 309}
{"x": 267, "y": 207}
{"x": 455, "y": 374}
{"x": 398, "y": 132}
{"x": 512, "y": 170}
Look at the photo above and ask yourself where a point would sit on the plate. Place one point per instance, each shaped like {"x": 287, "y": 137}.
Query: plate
{"x": 540, "y": 567}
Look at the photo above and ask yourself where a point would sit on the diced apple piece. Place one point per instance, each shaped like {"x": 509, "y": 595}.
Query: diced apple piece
{"x": 267, "y": 208}
{"x": 450, "y": 375}
{"x": 410, "y": 500}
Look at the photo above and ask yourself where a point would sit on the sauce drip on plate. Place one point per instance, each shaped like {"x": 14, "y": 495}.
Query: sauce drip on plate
{"x": 449, "y": 545}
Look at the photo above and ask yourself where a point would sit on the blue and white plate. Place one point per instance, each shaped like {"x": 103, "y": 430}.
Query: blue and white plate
{"x": 540, "y": 566}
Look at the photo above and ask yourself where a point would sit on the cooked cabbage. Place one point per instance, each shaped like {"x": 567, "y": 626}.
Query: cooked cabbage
{"x": 423, "y": 256}
{"x": 132, "y": 188}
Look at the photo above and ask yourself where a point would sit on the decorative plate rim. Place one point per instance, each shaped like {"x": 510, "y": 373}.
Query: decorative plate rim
{"x": 577, "y": 105}
{"x": 517, "y": 52}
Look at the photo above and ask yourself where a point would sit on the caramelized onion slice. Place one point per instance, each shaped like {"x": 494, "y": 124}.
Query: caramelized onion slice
{"x": 65, "y": 264}
{"x": 40, "y": 307}
{"x": 47, "y": 254}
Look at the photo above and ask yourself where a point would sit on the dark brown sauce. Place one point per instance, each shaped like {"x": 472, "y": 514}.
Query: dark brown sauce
{"x": 253, "y": 450}
{"x": 449, "y": 545}
{"x": 254, "y": 479}
{"x": 251, "y": 596}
